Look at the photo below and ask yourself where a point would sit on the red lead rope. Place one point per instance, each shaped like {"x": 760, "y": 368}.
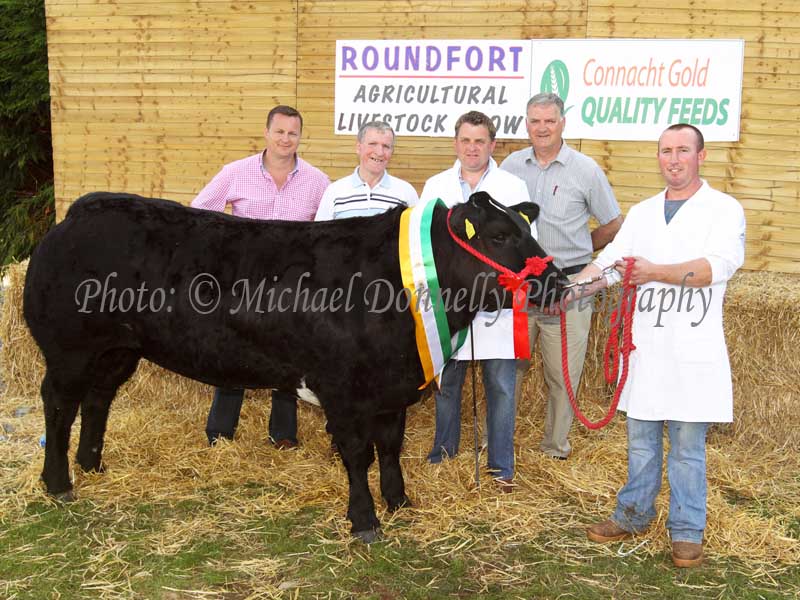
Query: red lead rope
{"x": 612, "y": 352}
{"x": 514, "y": 283}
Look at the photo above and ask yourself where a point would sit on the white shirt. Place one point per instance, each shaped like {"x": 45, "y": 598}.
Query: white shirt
{"x": 351, "y": 196}
{"x": 494, "y": 335}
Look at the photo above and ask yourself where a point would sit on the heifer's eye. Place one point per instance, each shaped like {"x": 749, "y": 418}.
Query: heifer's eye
{"x": 499, "y": 238}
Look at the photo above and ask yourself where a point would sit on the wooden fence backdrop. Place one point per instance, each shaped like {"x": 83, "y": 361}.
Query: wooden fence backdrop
{"x": 154, "y": 96}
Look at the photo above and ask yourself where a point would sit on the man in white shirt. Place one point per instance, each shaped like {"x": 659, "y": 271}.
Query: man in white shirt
{"x": 474, "y": 171}
{"x": 369, "y": 190}
{"x": 686, "y": 242}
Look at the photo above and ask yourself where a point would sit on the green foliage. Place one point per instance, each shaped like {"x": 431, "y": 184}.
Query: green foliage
{"x": 26, "y": 157}
{"x": 25, "y": 221}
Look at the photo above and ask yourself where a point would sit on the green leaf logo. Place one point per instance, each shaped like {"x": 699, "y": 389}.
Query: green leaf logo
{"x": 555, "y": 79}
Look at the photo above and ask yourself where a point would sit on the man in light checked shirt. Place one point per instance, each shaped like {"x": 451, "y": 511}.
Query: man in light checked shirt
{"x": 273, "y": 184}
{"x": 569, "y": 188}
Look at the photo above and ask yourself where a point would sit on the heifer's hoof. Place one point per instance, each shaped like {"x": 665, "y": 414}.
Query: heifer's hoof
{"x": 369, "y": 535}
{"x": 65, "y": 497}
{"x": 404, "y": 502}
{"x": 94, "y": 467}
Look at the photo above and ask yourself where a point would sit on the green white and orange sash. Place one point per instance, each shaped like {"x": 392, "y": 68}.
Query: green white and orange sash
{"x": 435, "y": 342}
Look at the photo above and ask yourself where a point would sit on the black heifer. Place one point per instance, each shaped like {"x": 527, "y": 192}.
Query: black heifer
{"x": 239, "y": 303}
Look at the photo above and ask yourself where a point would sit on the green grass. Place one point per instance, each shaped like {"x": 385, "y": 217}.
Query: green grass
{"x": 79, "y": 551}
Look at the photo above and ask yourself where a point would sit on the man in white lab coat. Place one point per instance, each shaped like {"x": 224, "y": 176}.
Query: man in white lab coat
{"x": 687, "y": 241}
{"x": 475, "y": 171}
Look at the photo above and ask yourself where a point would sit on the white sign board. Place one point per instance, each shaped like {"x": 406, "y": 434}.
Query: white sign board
{"x": 421, "y": 87}
{"x": 634, "y": 89}
{"x": 612, "y": 89}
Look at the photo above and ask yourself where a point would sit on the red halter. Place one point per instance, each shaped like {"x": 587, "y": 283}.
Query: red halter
{"x": 515, "y": 283}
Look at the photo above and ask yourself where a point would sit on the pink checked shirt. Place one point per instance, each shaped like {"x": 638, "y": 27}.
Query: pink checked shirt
{"x": 250, "y": 190}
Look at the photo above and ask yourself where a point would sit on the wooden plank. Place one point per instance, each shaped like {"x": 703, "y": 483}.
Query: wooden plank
{"x": 721, "y": 19}
{"x": 758, "y": 50}
{"x": 275, "y": 65}
{"x": 276, "y": 24}
{"x": 172, "y": 35}
{"x": 773, "y": 66}
{"x": 161, "y": 129}
{"x": 596, "y": 27}
{"x": 199, "y": 76}
{"x": 751, "y": 95}
{"x": 774, "y": 265}
{"x": 186, "y": 116}
{"x": 736, "y": 155}
{"x": 98, "y": 3}
{"x": 202, "y": 105}
{"x": 765, "y": 112}
{"x": 415, "y": 19}
{"x": 777, "y": 128}
{"x": 778, "y": 250}
{"x": 57, "y": 8}
{"x": 172, "y": 90}
{"x": 189, "y": 48}
{"x": 780, "y": 236}
{"x": 762, "y": 49}
{"x": 307, "y": 35}
{"x": 731, "y": 5}
{"x": 434, "y": 6}
{"x": 769, "y": 188}
{"x": 773, "y": 218}
{"x": 715, "y": 169}
{"x": 770, "y": 80}
{"x": 316, "y": 55}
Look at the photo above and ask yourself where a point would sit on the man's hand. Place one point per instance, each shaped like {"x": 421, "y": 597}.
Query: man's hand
{"x": 693, "y": 273}
{"x": 642, "y": 270}
{"x": 581, "y": 290}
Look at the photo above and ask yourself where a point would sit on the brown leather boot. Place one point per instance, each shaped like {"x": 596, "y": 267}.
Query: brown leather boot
{"x": 504, "y": 485}
{"x": 687, "y": 554}
{"x": 607, "y": 531}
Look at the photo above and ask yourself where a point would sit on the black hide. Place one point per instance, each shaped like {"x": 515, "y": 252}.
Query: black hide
{"x": 124, "y": 278}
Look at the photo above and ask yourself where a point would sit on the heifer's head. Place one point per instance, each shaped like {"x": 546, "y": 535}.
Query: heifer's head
{"x": 500, "y": 235}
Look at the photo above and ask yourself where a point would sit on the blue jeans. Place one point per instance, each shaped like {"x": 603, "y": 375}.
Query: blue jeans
{"x": 499, "y": 376}
{"x": 686, "y": 471}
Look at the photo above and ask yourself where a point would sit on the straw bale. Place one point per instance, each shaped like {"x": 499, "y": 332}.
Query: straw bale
{"x": 21, "y": 363}
{"x": 156, "y": 453}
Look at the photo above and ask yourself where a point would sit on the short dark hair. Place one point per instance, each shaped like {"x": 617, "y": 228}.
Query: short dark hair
{"x": 701, "y": 143}
{"x": 477, "y": 118}
{"x": 287, "y": 111}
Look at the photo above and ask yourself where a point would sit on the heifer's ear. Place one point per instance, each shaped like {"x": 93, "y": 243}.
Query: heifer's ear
{"x": 484, "y": 201}
{"x": 481, "y": 199}
{"x": 528, "y": 210}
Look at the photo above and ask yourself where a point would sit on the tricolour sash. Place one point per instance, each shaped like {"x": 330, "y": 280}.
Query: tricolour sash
{"x": 435, "y": 343}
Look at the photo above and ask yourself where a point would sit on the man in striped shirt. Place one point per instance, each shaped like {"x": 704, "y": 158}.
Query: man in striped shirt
{"x": 273, "y": 184}
{"x": 569, "y": 188}
{"x": 369, "y": 190}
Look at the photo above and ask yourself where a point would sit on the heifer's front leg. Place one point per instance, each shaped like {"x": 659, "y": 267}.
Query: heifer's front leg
{"x": 59, "y": 414}
{"x": 357, "y": 455}
{"x": 389, "y": 431}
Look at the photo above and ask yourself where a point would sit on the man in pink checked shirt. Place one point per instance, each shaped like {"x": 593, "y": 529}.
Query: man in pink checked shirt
{"x": 274, "y": 184}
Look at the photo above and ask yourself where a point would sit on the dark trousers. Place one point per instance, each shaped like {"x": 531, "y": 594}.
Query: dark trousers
{"x": 227, "y": 404}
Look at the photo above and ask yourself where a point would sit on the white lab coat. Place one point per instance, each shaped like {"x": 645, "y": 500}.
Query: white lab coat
{"x": 494, "y": 336}
{"x": 680, "y": 369}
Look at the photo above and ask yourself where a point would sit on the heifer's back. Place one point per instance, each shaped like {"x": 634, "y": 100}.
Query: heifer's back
{"x": 224, "y": 300}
